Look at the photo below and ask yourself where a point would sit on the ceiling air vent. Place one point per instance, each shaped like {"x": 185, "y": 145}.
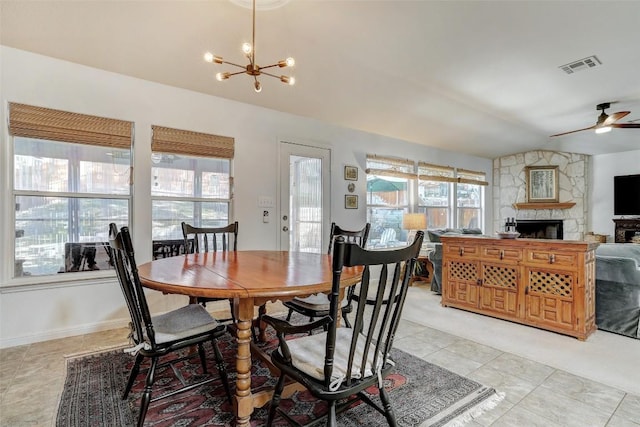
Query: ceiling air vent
{"x": 581, "y": 64}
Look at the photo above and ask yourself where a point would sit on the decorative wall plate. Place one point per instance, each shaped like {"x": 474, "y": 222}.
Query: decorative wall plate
{"x": 351, "y": 187}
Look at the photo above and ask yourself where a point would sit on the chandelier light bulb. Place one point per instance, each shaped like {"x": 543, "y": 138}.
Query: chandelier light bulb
{"x": 290, "y": 62}
{"x": 208, "y": 57}
{"x": 222, "y": 76}
{"x": 288, "y": 80}
{"x": 246, "y": 48}
{"x": 257, "y": 86}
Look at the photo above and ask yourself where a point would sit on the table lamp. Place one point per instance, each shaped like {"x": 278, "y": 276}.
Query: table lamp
{"x": 413, "y": 222}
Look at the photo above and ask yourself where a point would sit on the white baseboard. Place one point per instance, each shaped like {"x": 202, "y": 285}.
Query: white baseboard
{"x": 64, "y": 333}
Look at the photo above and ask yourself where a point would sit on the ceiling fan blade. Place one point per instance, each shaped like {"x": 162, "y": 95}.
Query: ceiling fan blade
{"x": 615, "y": 117}
{"x": 626, "y": 125}
{"x": 573, "y": 131}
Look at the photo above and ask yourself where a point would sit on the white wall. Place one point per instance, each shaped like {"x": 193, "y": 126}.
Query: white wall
{"x": 51, "y": 308}
{"x": 604, "y": 168}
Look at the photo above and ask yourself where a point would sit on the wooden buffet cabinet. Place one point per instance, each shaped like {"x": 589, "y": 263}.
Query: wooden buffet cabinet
{"x": 549, "y": 284}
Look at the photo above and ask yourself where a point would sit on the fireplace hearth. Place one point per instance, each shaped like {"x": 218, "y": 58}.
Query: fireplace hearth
{"x": 540, "y": 229}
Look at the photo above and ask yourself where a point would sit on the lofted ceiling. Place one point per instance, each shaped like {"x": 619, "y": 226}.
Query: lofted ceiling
{"x": 479, "y": 77}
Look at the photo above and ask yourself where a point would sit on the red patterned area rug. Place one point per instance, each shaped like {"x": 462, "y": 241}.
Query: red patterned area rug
{"x": 422, "y": 394}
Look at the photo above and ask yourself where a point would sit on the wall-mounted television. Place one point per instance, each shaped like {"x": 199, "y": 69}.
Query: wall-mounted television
{"x": 626, "y": 195}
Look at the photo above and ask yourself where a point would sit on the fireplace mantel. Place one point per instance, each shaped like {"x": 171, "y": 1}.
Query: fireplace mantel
{"x": 565, "y": 205}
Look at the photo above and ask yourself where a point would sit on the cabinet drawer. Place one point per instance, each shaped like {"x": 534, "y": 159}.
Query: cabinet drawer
{"x": 457, "y": 250}
{"x": 552, "y": 258}
{"x": 501, "y": 253}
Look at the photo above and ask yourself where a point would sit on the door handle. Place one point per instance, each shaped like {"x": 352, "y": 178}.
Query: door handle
{"x": 285, "y": 228}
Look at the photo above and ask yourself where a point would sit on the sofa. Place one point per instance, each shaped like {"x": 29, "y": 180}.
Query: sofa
{"x": 618, "y": 288}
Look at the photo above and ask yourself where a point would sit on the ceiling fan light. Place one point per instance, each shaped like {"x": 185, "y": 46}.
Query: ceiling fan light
{"x": 603, "y": 129}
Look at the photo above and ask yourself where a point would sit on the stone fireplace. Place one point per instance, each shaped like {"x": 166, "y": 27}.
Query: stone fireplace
{"x": 540, "y": 229}
{"x": 509, "y": 188}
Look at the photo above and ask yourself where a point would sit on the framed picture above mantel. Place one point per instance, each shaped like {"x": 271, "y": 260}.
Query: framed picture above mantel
{"x": 542, "y": 184}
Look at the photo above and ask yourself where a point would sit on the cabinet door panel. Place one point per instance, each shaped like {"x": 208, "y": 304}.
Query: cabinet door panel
{"x": 463, "y": 294}
{"x": 462, "y": 285}
{"x": 499, "y": 288}
{"x": 549, "y": 298}
{"x": 499, "y": 300}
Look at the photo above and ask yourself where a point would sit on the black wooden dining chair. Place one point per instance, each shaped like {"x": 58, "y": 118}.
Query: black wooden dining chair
{"x": 156, "y": 336}
{"x": 317, "y": 305}
{"x": 211, "y": 239}
{"x": 341, "y": 362}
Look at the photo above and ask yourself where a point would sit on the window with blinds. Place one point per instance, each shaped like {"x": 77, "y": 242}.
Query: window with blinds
{"x": 191, "y": 180}
{"x": 449, "y": 197}
{"x": 71, "y": 178}
{"x": 389, "y": 185}
{"x": 469, "y": 198}
{"x": 435, "y": 185}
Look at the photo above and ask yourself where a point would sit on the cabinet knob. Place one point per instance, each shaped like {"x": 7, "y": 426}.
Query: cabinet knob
{"x": 461, "y": 251}
{"x": 501, "y": 254}
{"x": 552, "y": 258}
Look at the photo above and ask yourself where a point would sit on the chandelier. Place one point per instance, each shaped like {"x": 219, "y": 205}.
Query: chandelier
{"x": 252, "y": 69}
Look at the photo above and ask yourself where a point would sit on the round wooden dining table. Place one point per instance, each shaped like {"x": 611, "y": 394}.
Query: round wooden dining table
{"x": 251, "y": 278}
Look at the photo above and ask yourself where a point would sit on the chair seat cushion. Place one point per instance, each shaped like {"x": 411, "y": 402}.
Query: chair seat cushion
{"x": 316, "y": 302}
{"x": 192, "y": 319}
{"x": 307, "y": 354}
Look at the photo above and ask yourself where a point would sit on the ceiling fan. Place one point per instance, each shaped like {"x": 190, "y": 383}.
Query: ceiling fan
{"x": 606, "y": 122}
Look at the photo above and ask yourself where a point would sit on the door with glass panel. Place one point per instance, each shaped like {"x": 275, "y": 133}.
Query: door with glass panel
{"x": 304, "y": 197}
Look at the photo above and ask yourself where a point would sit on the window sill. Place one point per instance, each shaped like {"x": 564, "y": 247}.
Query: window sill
{"x": 30, "y": 283}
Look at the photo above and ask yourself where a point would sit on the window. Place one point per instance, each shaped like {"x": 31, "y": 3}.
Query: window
{"x": 190, "y": 181}
{"x": 450, "y": 198}
{"x": 389, "y": 185}
{"x": 469, "y": 198}
{"x": 70, "y": 180}
{"x": 434, "y": 194}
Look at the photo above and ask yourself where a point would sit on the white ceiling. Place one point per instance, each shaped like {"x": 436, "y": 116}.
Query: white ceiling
{"x": 480, "y": 77}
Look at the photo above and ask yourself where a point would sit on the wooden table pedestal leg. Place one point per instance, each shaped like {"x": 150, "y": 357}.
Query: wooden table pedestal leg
{"x": 244, "y": 399}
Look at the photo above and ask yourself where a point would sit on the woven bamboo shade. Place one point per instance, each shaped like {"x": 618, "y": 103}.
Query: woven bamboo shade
{"x": 431, "y": 172}
{"x": 176, "y": 141}
{"x": 471, "y": 177}
{"x": 45, "y": 123}
{"x": 390, "y": 166}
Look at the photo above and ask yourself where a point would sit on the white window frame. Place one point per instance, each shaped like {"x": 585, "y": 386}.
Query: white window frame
{"x": 421, "y": 171}
{"x": 197, "y": 197}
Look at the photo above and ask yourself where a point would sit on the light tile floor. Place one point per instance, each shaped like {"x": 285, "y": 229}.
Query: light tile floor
{"x": 548, "y": 379}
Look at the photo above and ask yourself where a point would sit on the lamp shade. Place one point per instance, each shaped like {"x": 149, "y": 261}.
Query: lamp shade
{"x": 414, "y": 221}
